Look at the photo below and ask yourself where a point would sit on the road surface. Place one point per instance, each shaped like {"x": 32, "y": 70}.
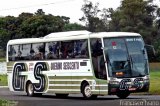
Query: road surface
{"x": 77, "y": 100}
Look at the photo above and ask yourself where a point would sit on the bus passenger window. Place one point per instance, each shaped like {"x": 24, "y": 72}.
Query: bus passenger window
{"x": 52, "y": 50}
{"x": 67, "y": 49}
{"x": 39, "y": 51}
{"x": 24, "y": 50}
{"x": 12, "y": 52}
{"x": 19, "y": 55}
{"x": 81, "y": 49}
{"x": 15, "y": 54}
{"x": 50, "y": 55}
{"x": 32, "y": 53}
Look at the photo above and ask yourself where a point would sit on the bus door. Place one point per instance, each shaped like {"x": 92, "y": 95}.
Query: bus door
{"x": 98, "y": 64}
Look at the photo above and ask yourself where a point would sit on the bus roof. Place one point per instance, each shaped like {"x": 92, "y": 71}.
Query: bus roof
{"x": 67, "y": 34}
{"x": 71, "y": 35}
{"x": 113, "y": 34}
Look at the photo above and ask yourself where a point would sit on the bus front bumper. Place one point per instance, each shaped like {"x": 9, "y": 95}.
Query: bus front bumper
{"x": 129, "y": 85}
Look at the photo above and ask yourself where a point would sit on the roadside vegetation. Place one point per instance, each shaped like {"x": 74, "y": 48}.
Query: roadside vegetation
{"x": 154, "y": 82}
{"x": 7, "y": 103}
{"x": 3, "y": 80}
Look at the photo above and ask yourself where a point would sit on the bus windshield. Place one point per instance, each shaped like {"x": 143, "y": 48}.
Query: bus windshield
{"x": 126, "y": 57}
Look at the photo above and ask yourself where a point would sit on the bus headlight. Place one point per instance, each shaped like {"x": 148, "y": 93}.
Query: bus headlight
{"x": 114, "y": 82}
{"x": 146, "y": 79}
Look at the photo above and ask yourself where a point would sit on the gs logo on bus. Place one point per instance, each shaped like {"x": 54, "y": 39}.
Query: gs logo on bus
{"x": 17, "y": 79}
{"x": 124, "y": 84}
{"x": 138, "y": 84}
{"x": 39, "y": 67}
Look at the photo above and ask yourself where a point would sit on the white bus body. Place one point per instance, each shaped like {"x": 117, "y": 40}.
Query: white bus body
{"x": 79, "y": 62}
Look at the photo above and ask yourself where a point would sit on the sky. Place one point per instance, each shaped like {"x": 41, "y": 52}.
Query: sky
{"x": 69, "y": 8}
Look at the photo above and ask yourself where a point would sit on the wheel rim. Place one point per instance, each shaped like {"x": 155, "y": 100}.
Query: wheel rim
{"x": 30, "y": 89}
{"x": 87, "y": 91}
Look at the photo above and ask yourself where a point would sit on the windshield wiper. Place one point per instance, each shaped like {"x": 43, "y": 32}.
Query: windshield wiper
{"x": 131, "y": 61}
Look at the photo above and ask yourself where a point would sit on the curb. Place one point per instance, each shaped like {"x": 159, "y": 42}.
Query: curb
{"x": 3, "y": 86}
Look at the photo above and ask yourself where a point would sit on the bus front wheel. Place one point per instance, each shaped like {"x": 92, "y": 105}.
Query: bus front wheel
{"x": 87, "y": 92}
{"x": 29, "y": 89}
{"x": 123, "y": 94}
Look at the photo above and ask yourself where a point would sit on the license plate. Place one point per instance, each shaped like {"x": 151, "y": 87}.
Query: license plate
{"x": 132, "y": 89}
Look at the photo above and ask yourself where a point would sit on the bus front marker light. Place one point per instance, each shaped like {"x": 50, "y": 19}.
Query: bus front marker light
{"x": 119, "y": 73}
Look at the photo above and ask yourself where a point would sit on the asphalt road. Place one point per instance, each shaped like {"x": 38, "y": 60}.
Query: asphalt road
{"x": 77, "y": 100}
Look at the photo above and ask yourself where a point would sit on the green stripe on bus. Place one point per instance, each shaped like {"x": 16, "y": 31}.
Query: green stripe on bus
{"x": 70, "y": 87}
{"x": 70, "y": 77}
{"x": 64, "y": 87}
{"x": 10, "y": 63}
{"x": 103, "y": 87}
{"x": 65, "y": 82}
{"x": 64, "y": 91}
{"x": 68, "y": 82}
{"x": 72, "y": 91}
{"x": 104, "y": 92}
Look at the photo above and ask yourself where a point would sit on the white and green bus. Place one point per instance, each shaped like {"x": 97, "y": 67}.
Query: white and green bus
{"x": 74, "y": 62}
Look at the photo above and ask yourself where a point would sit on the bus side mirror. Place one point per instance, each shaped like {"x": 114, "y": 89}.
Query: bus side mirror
{"x": 150, "y": 50}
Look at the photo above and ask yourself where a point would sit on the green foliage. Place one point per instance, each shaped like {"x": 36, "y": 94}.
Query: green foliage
{"x": 3, "y": 80}
{"x": 154, "y": 82}
{"x": 4, "y": 37}
{"x": 28, "y": 25}
{"x": 93, "y": 22}
{"x": 72, "y": 27}
{"x": 40, "y": 25}
{"x": 8, "y": 103}
{"x": 140, "y": 16}
{"x": 134, "y": 16}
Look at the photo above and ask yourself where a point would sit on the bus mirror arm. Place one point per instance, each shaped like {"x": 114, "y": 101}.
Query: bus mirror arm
{"x": 150, "y": 50}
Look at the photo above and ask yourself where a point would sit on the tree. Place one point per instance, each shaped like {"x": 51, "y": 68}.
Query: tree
{"x": 96, "y": 20}
{"x": 134, "y": 16}
{"x": 41, "y": 25}
{"x": 137, "y": 16}
{"x": 4, "y": 37}
{"x": 90, "y": 15}
{"x": 40, "y": 12}
{"x": 73, "y": 27}
{"x": 28, "y": 25}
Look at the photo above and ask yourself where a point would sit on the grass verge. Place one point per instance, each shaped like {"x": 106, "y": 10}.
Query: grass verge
{"x": 7, "y": 103}
{"x": 154, "y": 82}
{"x": 3, "y": 80}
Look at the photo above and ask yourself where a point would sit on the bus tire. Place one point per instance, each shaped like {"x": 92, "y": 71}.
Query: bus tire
{"x": 87, "y": 92}
{"x": 122, "y": 94}
{"x": 30, "y": 89}
{"x": 62, "y": 95}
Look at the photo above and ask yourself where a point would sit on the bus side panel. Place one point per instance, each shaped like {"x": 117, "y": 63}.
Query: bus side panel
{"x": 10, "y": 74}
{"x": 84, "y": 74}
{"x": 66, "y": 76}
{"x": 16, "y": 80}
